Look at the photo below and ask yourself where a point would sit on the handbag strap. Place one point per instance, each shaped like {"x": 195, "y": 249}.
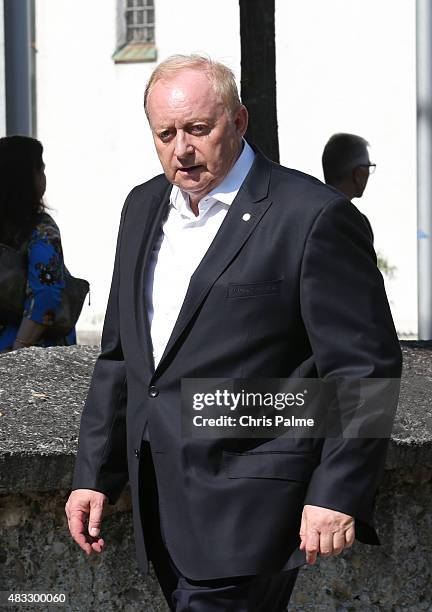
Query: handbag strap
{"x": 22, "y": 250}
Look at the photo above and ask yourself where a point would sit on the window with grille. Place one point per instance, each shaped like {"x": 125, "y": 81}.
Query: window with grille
{"x": 140, "y": 21}
{"x": 135, "y": 31}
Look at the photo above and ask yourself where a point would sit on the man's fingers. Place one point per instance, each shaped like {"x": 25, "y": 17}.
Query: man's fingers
{"x": 98, "y": 545}
{"x": 312, "y": 546}
{"x": 339, "y": 542}
{"x": 82, "y": 542}
{"x": 303, "y": 524}
{"x": 303, "y": 529}
{"x": 349, "y": 537}
{"x": 86, "y": 504}
{"x": 325, "y": 532}
{"x": 326, "y": 543}
{"x": 94, "y": 525}
{"x": 76, "y": 521}
{"x": 95, "y": 518}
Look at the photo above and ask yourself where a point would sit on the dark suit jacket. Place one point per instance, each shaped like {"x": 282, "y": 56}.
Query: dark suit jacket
{"x": 233, "y": 507}
{"x": 368, "y": 223}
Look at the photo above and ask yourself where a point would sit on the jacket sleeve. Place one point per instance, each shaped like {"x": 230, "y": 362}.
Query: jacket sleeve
{"x": 350, "y": 328}
{"x": 101, "y": 462}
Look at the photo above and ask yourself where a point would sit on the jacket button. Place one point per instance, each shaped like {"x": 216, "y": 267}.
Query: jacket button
{"x": 153, "y": 391}
{"x": 137, "y": 453}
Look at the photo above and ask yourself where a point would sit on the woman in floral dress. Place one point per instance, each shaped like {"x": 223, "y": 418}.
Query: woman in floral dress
{"x": 25, "y": 224}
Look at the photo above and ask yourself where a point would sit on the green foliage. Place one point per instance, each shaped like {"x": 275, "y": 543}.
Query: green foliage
{"x": 386, "y": 268}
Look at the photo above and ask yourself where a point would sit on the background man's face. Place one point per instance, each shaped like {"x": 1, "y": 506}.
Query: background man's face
{"x": 196, "y": 138}
{"x": 361, "y": 174}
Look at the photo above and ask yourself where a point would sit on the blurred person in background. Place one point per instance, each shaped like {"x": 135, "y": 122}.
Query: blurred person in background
{"x": 347, "y": 166}
{"x": 25, "y": 225}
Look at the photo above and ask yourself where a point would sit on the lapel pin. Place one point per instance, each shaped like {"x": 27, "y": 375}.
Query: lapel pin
{"x": 246, "y": 217}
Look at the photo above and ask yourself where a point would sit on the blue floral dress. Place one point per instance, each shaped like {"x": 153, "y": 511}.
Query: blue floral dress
{"x": 45, "y": 282}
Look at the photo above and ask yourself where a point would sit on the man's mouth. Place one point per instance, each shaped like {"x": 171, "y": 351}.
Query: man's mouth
{"x": 189, "y": 169}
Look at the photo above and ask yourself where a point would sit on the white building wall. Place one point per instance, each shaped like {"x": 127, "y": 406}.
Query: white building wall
{"x": 341, "y": 66}
{"x": 91, "y": 119}
{"x": 349, "y": 66}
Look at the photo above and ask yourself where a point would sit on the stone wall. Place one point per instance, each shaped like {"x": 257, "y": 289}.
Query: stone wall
{"x": 41, "y": 397}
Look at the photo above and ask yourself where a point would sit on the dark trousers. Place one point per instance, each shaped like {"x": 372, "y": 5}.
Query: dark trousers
{"x": 262, "y": 593}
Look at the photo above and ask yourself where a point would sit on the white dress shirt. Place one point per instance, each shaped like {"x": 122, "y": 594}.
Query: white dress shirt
{"x": 183, "y": 242}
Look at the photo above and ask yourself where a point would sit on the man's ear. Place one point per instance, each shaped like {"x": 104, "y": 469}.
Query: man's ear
{"x": 356, "y": 176}
{"x": 241, "y": 120}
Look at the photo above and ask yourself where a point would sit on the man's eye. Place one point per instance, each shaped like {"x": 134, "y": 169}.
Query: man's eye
{"x": 165, "y": 135}
{"x": 199, "y": 129}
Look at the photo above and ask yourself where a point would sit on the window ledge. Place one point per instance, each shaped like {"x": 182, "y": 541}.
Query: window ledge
{"x": 132, "y": 53}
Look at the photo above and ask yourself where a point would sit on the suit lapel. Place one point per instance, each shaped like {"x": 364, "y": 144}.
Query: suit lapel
{"x": 150, "y": 229}
{"x": 243, "y": 216}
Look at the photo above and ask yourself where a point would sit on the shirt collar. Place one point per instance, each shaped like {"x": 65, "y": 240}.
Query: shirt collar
{"x": 226, "y": 191}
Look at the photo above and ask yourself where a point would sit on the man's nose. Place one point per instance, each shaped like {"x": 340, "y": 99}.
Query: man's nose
{"x": 183, "y": 147}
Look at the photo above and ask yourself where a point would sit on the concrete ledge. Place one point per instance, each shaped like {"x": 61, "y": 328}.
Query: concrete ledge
{"x": 41, "y": 396}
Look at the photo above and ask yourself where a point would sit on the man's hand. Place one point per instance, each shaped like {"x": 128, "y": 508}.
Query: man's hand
{"x": 325, "y": 532}
{"x": 86, "y": 504}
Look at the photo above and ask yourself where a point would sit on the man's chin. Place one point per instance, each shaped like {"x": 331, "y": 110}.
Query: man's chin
{"x": 194, "y": 187}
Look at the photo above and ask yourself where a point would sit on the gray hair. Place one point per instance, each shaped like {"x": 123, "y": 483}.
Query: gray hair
{"x": 220, "y": 76}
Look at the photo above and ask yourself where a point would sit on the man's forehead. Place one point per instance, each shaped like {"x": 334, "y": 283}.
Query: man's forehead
{"x": 185, "y": 83}
{"x": 187, "y": 86}
{"x": 177, "y": 93}
{"x": 189, "y": 99}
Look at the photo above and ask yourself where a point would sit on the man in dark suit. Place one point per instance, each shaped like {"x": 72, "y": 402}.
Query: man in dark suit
{"x": 229, "y": 266}
{"x": 347, "y": 166}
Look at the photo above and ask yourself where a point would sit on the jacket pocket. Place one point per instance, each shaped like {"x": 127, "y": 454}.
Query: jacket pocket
{"x": 278, "y": 465}
{"x": 262, "y": 288}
